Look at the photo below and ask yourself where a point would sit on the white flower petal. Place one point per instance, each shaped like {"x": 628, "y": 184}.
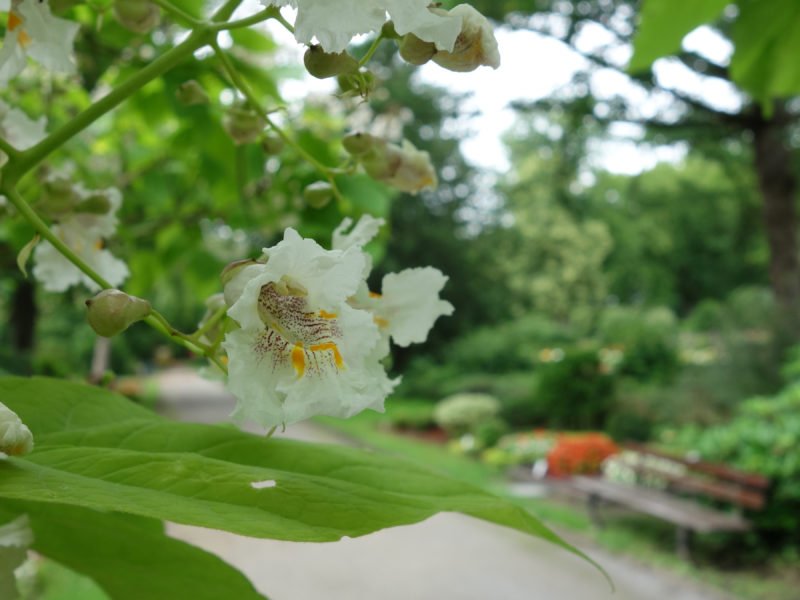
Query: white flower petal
{"x": 334, "y": 24}
{"x": 359, "y": 236}
{"x": 51, "y": 38}
{"x": 410, "y": 304}
{"x": 15, "y": 437}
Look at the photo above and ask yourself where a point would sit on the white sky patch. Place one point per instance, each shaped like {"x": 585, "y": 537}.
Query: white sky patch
{"x": 534, "y": 67}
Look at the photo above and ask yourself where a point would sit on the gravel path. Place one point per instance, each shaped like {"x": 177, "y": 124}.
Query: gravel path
{"x": 447, "y": 557}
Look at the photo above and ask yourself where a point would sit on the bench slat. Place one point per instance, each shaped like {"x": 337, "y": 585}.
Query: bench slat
{"x": 677, "y": 511}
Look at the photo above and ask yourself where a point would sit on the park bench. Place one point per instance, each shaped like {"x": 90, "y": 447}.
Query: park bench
{"x": 677, "y": 499}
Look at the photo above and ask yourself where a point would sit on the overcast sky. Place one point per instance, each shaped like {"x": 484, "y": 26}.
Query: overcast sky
{"x": 535, "y": 66}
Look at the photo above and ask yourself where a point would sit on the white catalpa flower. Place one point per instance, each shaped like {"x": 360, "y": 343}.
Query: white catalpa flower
{"x": 358, "y": 237}
{"x": 15, "y": 437}
{"x": 83, "y": 233}
{"x": 409, "y": 303}
{"x": 18, "y": 129}
{"x": 335, "y": 23}
{"x": 34, "y": 31}
{"x": 301, "y": 349}
{"x": 475, "y": 46}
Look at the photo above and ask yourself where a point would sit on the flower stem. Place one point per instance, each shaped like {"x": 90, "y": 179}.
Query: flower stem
{"x": 8, "y": 149}
{"x": 269, "y": 13}
{"x": 210, "y": 323}
{"x": 371, "y": 51}
{"x": 178, "y": 13}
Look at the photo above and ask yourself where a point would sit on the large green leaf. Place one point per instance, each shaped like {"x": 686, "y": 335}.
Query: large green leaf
{"x": 767, "y": 41}
{"x": 97, "y": 450}
{"x": 663, "y": 25}
{"x": 131, "y": 557}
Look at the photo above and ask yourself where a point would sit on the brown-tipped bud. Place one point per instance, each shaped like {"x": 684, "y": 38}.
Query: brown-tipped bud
{"x": 318, "y": 194}
{"x": 15, "y": 437}
{"x": 111, "y": 312}
{"x": 140, "y": 16}
{"x": 416, "y": 51}
{"x": 244, "y": 125}
{"x": 360, "y": 143}
{"x": 272, "y": 144}
{"x": 475, "y": 46}
{"x": 190, "y": 93}
{"x": 323, "y": 64}
{"x": 403, "y": 167}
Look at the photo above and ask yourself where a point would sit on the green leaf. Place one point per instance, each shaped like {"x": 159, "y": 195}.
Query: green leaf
{"x": 767, "y": 41}
{"x": 25, "y": 254}
{"x": 131, "y": 557}
{"x": 97, "y": 450}
{"x": 663, "y": 25}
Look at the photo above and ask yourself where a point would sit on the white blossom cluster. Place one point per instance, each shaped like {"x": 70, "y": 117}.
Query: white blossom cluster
{"x": 312, "y": 336}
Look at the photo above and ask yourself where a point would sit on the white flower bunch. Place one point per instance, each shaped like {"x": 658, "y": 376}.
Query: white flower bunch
{"x": 32, "y": 31}
{"x": 311, "y": 336}
{"x": 83, "y": 233}
{"x": 334, "y": 24}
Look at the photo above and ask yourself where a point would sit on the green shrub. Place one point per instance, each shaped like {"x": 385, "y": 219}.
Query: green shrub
{"x": 488, "y": 433}
{"x": 463, "y": 413}
{"x": 575, "y": 392}
{"x": 763, "y": 437}
{"x": 648, "y": 338}
{"x": 410, "y": 415}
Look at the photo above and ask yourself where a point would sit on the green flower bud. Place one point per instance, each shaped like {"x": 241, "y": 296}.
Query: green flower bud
{"x": 243, "y": 124}
{"x": 111, "y": 312}
{"x": 15, "y": 437}
{"x": 140, "y": 16}
{"x": 389, "y": 32}
{"x": 59, "y": 197}
{"x": 97, "y": 204}
{"x": 318, "y": 194}
{"x": 359, "y": 143}
{"x": 190, "y": 93}
{"x": 323, "y": 64}
{"x": 416, "y": 51}
{"x": 272, "y": 144}
{"x": 357, "y": 82}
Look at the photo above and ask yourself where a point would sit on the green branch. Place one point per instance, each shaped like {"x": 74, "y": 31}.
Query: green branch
{"x": 240, "y": 84}
{"x": 28, "y": 159}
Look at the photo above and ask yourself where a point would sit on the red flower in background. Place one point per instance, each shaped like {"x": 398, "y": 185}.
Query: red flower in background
{"x": 579, "y": 454}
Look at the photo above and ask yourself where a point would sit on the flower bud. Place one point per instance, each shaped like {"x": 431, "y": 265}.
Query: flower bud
{"x": 357, "y": 82}
{"x": 243, "y": 124}
{"x": 405, "y": 168}
{"x": 359, "y": 143}
{"x": 475, "y": 46}
{"x": 272, "y": 144}
{"x": 111, "y": 312}
{"x": 416, "y": 51}
{"x": 96, "y": 204}
{"x": 389, "y": 32}
{"x": 190, "y": 93}
{"x": 323, "y": 64}
{"x": 234, "y": 279}
{"x": 139, "y": 16}
{"x": 318, "y": 194}
{"x": 15, "y": 437}
{"x": 58, "y": 198}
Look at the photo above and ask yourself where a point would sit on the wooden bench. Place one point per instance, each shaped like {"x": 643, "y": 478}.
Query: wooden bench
{"x": 691, "y": 478}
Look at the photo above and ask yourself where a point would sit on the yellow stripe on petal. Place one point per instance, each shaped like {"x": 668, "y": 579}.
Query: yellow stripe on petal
{"x": 299, "y": 359}
{"x": 327, "y": 315}
{"x": 337, "y": 357}
{"x": 14, "y": 21}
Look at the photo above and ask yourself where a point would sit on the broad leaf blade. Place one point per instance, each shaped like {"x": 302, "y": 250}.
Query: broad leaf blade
{"x": 664, "y": 24}
{"x": 97, "y": 450}
{"x": 131, "y": 557}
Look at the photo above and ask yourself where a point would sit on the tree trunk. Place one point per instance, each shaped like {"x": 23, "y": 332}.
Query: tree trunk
{"x": 23, "y": 317}
{"x": 778, "y": 184}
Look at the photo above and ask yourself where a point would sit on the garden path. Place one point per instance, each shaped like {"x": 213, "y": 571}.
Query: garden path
{"x": 448, "y": 557}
